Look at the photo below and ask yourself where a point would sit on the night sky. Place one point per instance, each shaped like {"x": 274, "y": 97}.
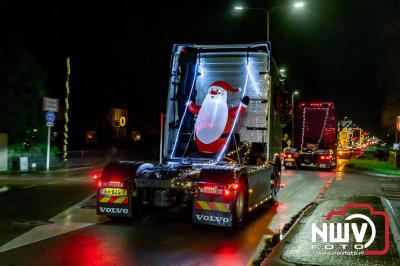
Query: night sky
{"x": 333, "y": 50}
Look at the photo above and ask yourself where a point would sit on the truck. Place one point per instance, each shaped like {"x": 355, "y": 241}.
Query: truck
{"x": 220, "y": 140}
{"x": 358, "y": 137}
{"x": 345, "y": 134}
{"x": 316, "y": 137}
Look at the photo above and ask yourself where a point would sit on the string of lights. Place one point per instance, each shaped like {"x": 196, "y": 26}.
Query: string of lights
{"x": 185, "y": 111}
{"x": 304, "y": 125}
{"x": 235, "y": 121}
{"x": 65, "y": 154}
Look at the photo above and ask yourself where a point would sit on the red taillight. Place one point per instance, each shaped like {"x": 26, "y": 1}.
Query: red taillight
{"x": 219, "y": 190}
{"x": 281, "y": 185}
{"x": 210, "y": 189}
{"x": 115, "y": 183}
{"x": 289, "y": 156}
{"x": 99, "y": 184}
{"x": 95, "y": 177}
{"x": 325, "y": 157}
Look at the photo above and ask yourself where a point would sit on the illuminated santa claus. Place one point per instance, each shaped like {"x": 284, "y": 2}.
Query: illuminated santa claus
{"x": 214, "y": 119}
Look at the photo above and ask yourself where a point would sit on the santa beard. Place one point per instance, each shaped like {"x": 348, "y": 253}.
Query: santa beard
{"x": 211, "y": 120}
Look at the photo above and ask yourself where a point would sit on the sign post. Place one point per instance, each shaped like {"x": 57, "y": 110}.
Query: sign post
{"x": 3, "y": 151}
{"x": 50, "y": 118}
{"x": 50, "y": 105}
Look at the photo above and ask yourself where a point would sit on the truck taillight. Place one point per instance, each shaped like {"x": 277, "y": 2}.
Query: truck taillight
{"x": 218, "y": 190}
{"x": 115, "y": 183}
{"x": 325, "y": 157}
{"x": 210, "y": 189}
{"x": 111, "y": 184}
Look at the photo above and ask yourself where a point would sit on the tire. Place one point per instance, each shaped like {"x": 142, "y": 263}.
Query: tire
{"x": 275, "y": 185}
{"x": 239, "y": 211}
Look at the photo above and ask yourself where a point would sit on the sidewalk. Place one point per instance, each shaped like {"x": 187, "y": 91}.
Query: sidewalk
{"x": 297, "y": 246}
{"x": 350, "y": 169}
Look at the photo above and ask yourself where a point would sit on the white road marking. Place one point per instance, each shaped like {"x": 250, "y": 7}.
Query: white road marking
{"x": 29, "y": 186}
{"x": 72, "y": 219}
{"x": 4, "y": 189}
{"x": 70, "y": 178}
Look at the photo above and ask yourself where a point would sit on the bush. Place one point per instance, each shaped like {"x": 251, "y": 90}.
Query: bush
{"x": 381, "y": 155}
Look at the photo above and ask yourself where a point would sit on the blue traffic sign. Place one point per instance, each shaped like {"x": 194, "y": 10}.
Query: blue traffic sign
{"x": 50, "y": 117}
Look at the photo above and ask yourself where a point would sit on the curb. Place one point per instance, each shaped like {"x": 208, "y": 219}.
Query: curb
{"x": 394, "y": 221}
{"x": 69, "y": 169}
{"x": 269, "y": 242}
{"x": 262, "y": 247}
{"x": 44, "y": 173}
{"x": 353, "y": 170}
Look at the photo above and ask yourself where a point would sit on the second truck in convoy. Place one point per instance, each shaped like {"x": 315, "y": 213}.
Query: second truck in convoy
{"x": 316, "y": 137}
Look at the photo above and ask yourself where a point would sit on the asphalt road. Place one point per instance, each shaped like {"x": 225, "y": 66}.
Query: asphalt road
{"x": 38, "y": 226}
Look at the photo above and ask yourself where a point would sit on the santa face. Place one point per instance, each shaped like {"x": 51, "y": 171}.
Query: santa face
{"x": 213, "y": 115}
{"x": 216, "y": 94}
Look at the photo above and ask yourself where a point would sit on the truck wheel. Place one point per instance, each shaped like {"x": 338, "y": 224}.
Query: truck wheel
{"x": 239, "y": 211}
{"x": 275, "y": 185}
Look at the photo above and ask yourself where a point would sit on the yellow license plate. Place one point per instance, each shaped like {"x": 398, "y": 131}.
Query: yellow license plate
{"x": 114, "y": 192}
{"x": 289, "y": 160}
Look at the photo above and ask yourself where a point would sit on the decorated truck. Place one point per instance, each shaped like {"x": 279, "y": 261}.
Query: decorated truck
{"x": 219, "y": 144}
{"x": 316, "y": 137}
{"x": 345, "y": 134}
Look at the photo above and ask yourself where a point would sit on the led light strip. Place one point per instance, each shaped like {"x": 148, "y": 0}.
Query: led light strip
{"x": 253, "y": 81}
{"x": 304, "y": 125}
{"x": 323, "y": 127}
{"x": 184, "y": 113}
{"x": 234, "y": 122}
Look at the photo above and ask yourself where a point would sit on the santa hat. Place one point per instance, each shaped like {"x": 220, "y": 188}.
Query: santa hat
{"x": 224, "y": 85}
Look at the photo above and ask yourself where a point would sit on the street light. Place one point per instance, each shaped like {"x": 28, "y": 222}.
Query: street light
{"x": 298, "y": 4}
{"x": 282, "y": 74}
{"x": 268, "y": 11}
{"x": 293, "y": 94}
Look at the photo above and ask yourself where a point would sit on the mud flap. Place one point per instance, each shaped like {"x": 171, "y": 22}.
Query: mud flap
{"x": 114, "y": 206}
{"x": 212, "y": 213}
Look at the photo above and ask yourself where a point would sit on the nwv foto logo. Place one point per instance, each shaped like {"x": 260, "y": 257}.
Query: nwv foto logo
{"x": 337, "y": 235}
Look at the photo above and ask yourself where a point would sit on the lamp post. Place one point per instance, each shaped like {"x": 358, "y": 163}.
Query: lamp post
{"x": 268, "y": 11}
{"x": 293, "y": 94}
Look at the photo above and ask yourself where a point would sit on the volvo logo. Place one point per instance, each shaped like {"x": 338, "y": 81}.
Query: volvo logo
{"x": 210, "y": 218}
{"x": 113, "y": 210}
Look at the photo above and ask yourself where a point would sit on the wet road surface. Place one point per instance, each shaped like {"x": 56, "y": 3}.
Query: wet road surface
{"x": 82, "y": 238}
